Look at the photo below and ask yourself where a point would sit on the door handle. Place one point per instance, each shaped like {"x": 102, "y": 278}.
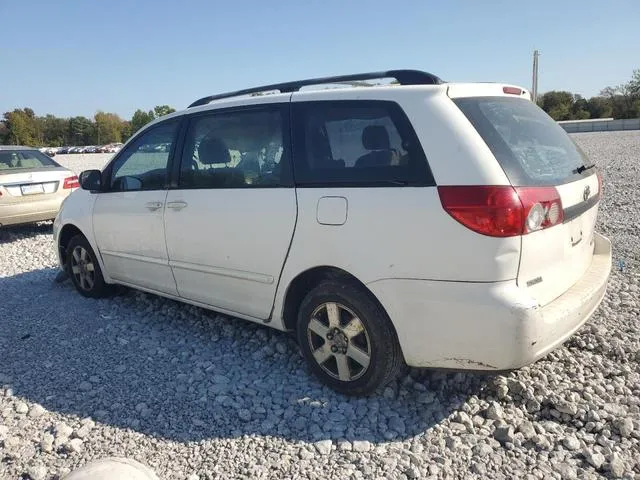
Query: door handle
{"x": 177, "y": 205}
{"x": 153, "y": 205}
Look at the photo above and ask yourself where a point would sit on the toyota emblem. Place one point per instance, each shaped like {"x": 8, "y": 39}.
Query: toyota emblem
{"x": 587, "y": 192}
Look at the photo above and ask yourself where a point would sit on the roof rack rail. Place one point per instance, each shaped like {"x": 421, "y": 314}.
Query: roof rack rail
{"x": 404, "y": 77}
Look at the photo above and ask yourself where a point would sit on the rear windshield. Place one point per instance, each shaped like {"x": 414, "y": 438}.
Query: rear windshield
{"x": 22, "y": 159}
{"x": 530, "y": 146}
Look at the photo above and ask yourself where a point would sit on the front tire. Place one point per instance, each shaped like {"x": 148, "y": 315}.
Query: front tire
{"x": 348, "y": 339}
{"x": 84, "y": 270}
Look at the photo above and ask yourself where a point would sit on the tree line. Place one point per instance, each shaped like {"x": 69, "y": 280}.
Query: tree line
{"x": 23, "y": 127}
{"x": 622, "y": 101}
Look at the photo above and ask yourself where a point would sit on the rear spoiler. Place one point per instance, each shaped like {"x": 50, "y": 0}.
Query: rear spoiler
{"x": 457, "y": 90}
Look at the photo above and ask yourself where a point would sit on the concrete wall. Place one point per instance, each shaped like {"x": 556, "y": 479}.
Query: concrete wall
{"x": 600, "y": 125}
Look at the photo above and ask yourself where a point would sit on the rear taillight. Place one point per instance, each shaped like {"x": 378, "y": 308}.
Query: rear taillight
{"x": 494, "y": 211}
{"x": 71, "y": 182}
{"x": 503, "y": 211}
{"x": 542, "y": 207}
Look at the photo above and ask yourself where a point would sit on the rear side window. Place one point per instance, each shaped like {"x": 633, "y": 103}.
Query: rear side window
{"x": 356, "y": 143}
{"x": 530, "y": 146}
{"x": 23, "y": 159}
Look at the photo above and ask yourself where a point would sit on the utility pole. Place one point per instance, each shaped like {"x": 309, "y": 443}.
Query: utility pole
{"x": 534, "y": 86}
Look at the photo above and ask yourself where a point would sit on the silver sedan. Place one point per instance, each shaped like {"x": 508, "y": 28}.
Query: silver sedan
{"x": 32, "y": 185}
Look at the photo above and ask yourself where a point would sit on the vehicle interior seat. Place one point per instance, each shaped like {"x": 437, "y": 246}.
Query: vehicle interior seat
{"x": 319, "y": 151}
{"x": 376, "y": 139}
{"x": 30, "y": 162}
{"x": 214, "y": 153}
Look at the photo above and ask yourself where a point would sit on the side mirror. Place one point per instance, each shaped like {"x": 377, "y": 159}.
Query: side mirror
{"x": 91, "y": 180}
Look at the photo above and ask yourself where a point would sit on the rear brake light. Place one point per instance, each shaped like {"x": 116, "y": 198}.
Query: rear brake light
{"x": 512, "y": 90}
{"x": 503, "y": 211}
{"x": 71, "y": 182}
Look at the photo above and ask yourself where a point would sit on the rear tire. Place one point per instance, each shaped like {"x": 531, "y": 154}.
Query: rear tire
{"x": 348, "y": 339}
{"x": 84, "y": 270}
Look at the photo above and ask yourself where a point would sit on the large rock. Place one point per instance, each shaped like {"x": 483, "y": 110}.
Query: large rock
{"x": 37, "y": 472}
{"x": 36, "y": 411}
{"x": 495, "y": 411}
{"x": 361, "y": 446}
{"x": 504, "y": 434}
{"x": 323, "y": 447}
{"x": 571, "y": 443}
{"x": 567, "y": 407}
{"x": 616, "y": 466}
{"x": 113, "y": 468}
{"x": 527, "y": 429}
{"x": 594, "y": 459}
{"x": 625, "y": 427}
{"x": 63, "y": 431}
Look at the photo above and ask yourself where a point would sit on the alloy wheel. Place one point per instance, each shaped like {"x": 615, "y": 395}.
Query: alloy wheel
{"x": 82, "y": 268}
{"x": 339, "y": 341}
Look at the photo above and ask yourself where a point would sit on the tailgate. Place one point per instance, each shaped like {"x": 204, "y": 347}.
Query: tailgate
{"x": 535, "y": 152}
{"x": 553, "y": 260}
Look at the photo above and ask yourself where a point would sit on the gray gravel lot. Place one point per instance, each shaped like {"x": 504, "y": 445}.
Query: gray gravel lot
{"x": 195, "y": 395}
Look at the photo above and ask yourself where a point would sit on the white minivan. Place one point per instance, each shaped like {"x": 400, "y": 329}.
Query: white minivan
{"x": 419, "y": 222}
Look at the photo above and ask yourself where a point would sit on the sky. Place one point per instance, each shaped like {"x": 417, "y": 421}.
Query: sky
{"x": 75, "y": 57}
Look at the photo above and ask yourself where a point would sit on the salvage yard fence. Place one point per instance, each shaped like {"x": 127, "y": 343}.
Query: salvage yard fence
{"x": 600, "y": 125}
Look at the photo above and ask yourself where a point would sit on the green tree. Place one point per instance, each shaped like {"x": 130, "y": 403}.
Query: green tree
{"x": 140, "y": 119}
{"x": 634, "y": 84}
{"x": 80, "y": 130}
{"x": 580, "y": 108}
{"x": 559, "y": 105}
{"x": 107, "y": 128}
{"x": 125, "y": 130}
{"x": 54, "y": 131}
{"x": 4, "y": 133}
{"x": 161, "y": 110}
{"x": 599, "y": 107}
{"x": 624, "y": 99}
{"x": 21, "y": 127}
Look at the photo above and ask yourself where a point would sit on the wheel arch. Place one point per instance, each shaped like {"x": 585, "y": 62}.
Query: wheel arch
{"x": 67, "y": 232}
{"x": 309, "y": 279}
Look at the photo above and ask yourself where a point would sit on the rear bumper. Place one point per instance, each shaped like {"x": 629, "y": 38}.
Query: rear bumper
{"x": 488, "y": 326}
{"x": 29, "y": 212}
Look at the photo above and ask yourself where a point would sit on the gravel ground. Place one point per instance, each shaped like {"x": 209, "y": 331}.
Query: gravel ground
{"x": 195, "y": 395}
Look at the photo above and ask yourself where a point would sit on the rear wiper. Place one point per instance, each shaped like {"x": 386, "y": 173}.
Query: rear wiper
{"x": 584, "y": 168}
